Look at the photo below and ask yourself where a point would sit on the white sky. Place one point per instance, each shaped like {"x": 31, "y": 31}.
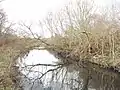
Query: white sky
{"x": 34, "y": 10}
{"x": 31, "y": 10}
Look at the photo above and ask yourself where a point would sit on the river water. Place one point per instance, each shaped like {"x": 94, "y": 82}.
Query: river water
{"x": 32, "y": 73}
{"x": 92, "y": 77}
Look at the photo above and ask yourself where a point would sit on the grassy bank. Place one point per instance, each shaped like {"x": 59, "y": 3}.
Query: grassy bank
{"x": 9, "y": 52}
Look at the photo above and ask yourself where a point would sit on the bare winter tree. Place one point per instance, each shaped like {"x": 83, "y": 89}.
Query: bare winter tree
{"x": 81, "y": 38}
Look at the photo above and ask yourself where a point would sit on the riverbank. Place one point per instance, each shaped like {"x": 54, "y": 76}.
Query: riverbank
{"x": 9, "y": 53}
{"x": 101, "y": 48}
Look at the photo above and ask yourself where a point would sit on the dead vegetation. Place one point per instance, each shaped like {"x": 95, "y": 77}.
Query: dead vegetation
{"x": 9, "y": 53}
{"x": 79, "y": 36}
{"x": 86, "y": 35}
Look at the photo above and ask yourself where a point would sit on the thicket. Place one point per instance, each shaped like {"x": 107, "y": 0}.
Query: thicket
{"x": 85, "y": 32}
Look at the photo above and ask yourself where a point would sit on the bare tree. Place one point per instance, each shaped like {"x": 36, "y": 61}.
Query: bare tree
{"x": 83, "y": 40}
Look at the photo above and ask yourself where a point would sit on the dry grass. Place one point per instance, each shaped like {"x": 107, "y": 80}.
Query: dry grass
{"x": 92, "y": 37}
{"x": 97, "y": 46}
{"x": 9, "y": 52}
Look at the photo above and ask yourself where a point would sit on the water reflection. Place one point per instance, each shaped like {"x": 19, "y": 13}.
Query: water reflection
{"x": 37, "y": 57}
{"x": 91, "y": 77}
{"x": 99, "y": 78}
{"x": 32, "y": 80}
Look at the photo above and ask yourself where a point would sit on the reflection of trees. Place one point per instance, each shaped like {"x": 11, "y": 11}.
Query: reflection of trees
{"x": 100, "y": 78}
{"x": 87, "y": 43}
{"x": 91, "y": 76}
{"x": 75, "y": 75}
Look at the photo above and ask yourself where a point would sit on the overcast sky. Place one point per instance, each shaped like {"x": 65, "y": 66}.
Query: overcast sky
{"x": 33, "y": 10}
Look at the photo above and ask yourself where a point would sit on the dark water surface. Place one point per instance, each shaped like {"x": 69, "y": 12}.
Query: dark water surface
{"x": 91, "y": 77}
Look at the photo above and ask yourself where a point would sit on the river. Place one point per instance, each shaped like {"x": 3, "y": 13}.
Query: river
{"x": 39, "y": 57}
{"x": 92, "y": 77}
